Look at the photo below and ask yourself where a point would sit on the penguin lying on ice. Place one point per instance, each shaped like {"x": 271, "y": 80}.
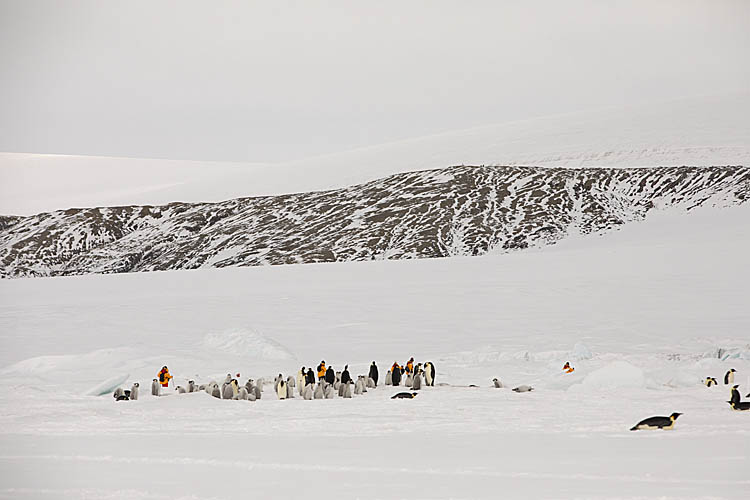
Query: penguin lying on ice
{"x": 740, "y": 406}
{"x": 405, "y": 395}
{"x": 523, "y": 388}
{"x": 710, "y": 381}
{"x": 666, "y": 423}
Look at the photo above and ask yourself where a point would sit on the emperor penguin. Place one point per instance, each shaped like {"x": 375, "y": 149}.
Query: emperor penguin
{"x": 341, "y": 389}
{"x": 405, "y": 395}
{"x": 134, "y": 391}
{"x": 358, "y": 386}
{"x": 337, "y": 381}
{"x": 328, "y": 391}
{"x": 155, "y": 388}
{"x": 416, "y": 383}
{"x": 180, "y": 390}
{"x": 370, "y": 383}
{"x": 242, "y": 394}
{"x": 497, "y": 383}
{"x": 740, "y": 406}
{"x": 319, "y": 394}
{"x": 191, "y": 386}
{"x": 666, "y": 423}
{"x": 281, "y": 389}
{"x": 301, "y": 380}
{"x": 307, "y": 392}
{"x": 729, "y": 377}
{"x": 227, "y": 392}
{"x": 249, "y": 385}
{"x": 347, "y": 390}
{"x": 710, "y": 381}
{"x": 429, "y": 373}
{"x": 119, "y": 394}
{"x": 364, "y": 383}
{"x": 523, "y": 388}
{"x": 290, "y": 382}
{"x": 215, "y": 391}
{"x": 409, "y": 380}
{"x": 256, "y": 391}
{"x": 278, "y": 378}
{"x": 389, "y": 378}
{"x": 290, "y": 388}
{"x": 735, "y": 396}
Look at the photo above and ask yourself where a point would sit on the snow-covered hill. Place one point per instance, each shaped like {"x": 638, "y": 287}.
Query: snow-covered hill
{"x": 700, "y": 131}
{"x": 437, "y": 213}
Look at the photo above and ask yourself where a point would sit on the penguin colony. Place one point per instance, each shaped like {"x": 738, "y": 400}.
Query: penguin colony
{"x": 340, "y": 383}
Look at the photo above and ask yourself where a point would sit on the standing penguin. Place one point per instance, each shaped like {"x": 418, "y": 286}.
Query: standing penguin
{"x": 734, "y": 397}
{"x": 307, "y": 392}
{"x": 290, "y": 388}
{"x": 281, "y": 389}
{"x": 242, "y": 394}
{"x": 729, "y": 377}
{"x": 319, "y": 393}
{"x": 155, "y": 388}
{"x": 429, "y": 373}
{"x": 227, "y": 392}
{"x": 374, "y": 373}
{"x": 347, "y": 390}
{"x": 215, "y": 390}
{"x": 328, "y": 391}
{"x": 301, "y": 380}
{"x": 497, "y": 383}
{"x": 370, "y": 383}
{"x": 191, "y": 386}
{"x": 358, "y": 386}
{"x": 416, "y": 384}
{"x": 409, "y": 380}
{"x": 396, "y": 374}
{"x": 389, "y": 378}
{"x": 134, "y": 391}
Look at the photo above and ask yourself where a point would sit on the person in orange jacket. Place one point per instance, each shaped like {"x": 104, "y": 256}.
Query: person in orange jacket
{"x": 322, "y": 370}
{"x": 410, "y": 366}
{"x": 567, "y": 368}
{"x": 164, "y": 376}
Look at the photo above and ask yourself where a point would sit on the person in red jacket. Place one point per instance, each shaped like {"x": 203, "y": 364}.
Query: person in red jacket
{"x": 164, "y": 376}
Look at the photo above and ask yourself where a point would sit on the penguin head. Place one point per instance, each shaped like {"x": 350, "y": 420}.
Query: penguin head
{"x": 735, "y": 386}
{"x": 136, "y": 384}
{"x": 414, "y": 394}
{"x": 674, "y": 416}
{"x": 732, "y": 370}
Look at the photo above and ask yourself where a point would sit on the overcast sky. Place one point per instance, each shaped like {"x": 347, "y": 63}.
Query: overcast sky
{"x": 275, "y": 81}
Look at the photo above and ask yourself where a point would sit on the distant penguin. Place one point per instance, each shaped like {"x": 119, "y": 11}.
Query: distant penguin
{"x": 191, "y": 386}
{"x": 257, "y": 391}
{"x": 290, "y": 390}
{"x": 202, "y": 387}
{"x": 209, "y": 388}
{"x": 497, "y": 383}
{"x": 155, "y": 388}
{"x": 341, "y": 389}
{"x": 215, "y": 391}
{"x": 373, "y": 374}
{"x": 259, "y": 384}
{"x": 319, "y": 393}
{"x": 735, "y": 396}
{"x": 409, "y": 380}
{"x": 281, "y": 389}
{"x": 227, "y": 392}
{"x": 307, "y": 392}
{"x": 119, "y": 394}
{"x": 429, "y": 373}
{"x": 396, "y": 377}
{"x": 523, "y": 388}
{"x": 416, "y": 384}
{"x": 290, "y": 382}
{"x": 329, "y": 393}
{"x": 405, "y": 395}
{"x": 301, "y": 380}
{"x": 242, "y": 394}
{"x": 358, "y": 386}
{"x": 370, "y": 383}
{"x": 249, "y": 385}
{"x": 710, "y": 381}
{"x": 666, "y": 423}
{"x": 729, "y": 377}
{"x": 134, "y": 391}
{"x": 389, "y": 378}
{"x": 278, "y": 378}
{"x": 348, "y": 390}
{"x": 180, "y": 390}
{"x": 740, "y": 406}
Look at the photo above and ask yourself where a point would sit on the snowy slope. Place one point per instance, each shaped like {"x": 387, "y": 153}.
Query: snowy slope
{"x": 437, "y": 213}
{"x": 653, "y": 303}
{"x": 699, "y": 131}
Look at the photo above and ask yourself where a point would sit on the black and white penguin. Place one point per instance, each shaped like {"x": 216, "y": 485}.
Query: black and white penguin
{"x": 740, "y": 406}
{"x": 729, "y": 377}
{"x": 227, "y": 392}
{"x": 191, "y": 387}
{"x": 497, "y": 383}
{"x": 735, "y": 396}
{"x": 523, "y": 388}
{"x": 119, "y": 395}
{"x": 319, "y": 392}
{"x": 180, "y": 390}
{"x": 359, "y": 385}
{"x": 301, "y": 380}
{"x": 373, "y": 374}
{"x": 416, "y": 383}
{"x": 710, "y": 381}
{"x": 307, "y": 392}
{"x": 328, "y": 391}
{"x": 389, "y": 378}
{"x": 348, "y": 390}
{"x": 370, "y": 383}
{"x": 405, "y": 395}
{"x": 134, "y": 391}
{"x": 429, "y": 373}
{"x": 281, "y": 389}
{"x": 155, "y": 388}
{"x": 409, "y": 380}
{"x": 215, "y": 390}
{"x": 666, "y": 423}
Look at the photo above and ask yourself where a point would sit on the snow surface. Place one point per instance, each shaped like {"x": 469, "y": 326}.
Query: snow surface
{"x": 701, "y": 131}
{"x": 644, "y": 314}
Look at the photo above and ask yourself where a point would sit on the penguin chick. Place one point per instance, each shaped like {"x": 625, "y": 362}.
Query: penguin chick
{"x": 497, "y": 383}
{"x": 405, "y": 395}
{"x": 523, "y": 388}
{"x": 666, "y": 423}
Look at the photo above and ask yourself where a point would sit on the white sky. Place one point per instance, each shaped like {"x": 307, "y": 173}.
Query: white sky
{"x": 276, "y": 81}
